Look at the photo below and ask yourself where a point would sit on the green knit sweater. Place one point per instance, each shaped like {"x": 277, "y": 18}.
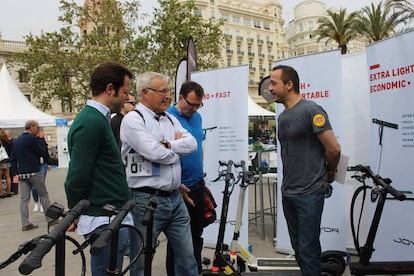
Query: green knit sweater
{"x": 96, "y": 172}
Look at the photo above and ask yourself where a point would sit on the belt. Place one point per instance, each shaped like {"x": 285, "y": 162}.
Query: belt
{"x": 153, "y": 191}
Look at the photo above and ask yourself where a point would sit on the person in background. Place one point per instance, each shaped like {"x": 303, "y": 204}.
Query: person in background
{"x": 96, "y": 171}
{"x": 192, "y": 173}
{"x": 44, "y": 167}
{"x": 117, "y": 119}
{"x": 310, "y": 154}
{"x": 154, "y": 139}
{"x": 25, "y": 166}
{"x": 14, "y": 185}
{"x": 5, "y": 165}
{"x": 116, "y": 126}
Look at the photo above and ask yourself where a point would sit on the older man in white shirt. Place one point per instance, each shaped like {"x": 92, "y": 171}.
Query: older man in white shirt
{"x": 152, "y": 142}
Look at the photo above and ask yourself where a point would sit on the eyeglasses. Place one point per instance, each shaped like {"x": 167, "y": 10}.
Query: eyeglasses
{"x": 132, "y": 102}
{"x": 163, "y": 91}
{"x": 200, "y": 105}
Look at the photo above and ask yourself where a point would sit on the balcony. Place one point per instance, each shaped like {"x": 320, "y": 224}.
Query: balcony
{"x": 252, "y": 69}
{"x": 270, "y": 57}
{"x": 262, "y": 70}
{"x": 260, "y": 41}
{"x": 228, "y": 36}
{"x": 229, "y": 52}
{"x": 251, "y": 54}
{"x": 261, "y": 56}
{"x": 250, "y": 40}
{"x": 239, "y": 38}
{"x": 240, "y": 53}
{"x": 268, "y": 42}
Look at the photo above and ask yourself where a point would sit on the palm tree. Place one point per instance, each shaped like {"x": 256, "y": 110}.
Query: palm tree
{"x": 337, "y": 26}
{"x": 381, "y": 21}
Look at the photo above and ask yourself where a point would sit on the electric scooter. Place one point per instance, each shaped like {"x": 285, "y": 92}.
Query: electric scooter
{"x": 221, "y": 263}
{"x": 236, "y": 259}
{"x": 364, "y": 266}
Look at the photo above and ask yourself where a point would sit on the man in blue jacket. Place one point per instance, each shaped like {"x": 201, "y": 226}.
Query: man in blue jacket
{"x": 25, "y": 165}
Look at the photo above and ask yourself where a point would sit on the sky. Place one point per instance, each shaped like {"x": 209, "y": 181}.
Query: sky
{"x": 22, "y": 17}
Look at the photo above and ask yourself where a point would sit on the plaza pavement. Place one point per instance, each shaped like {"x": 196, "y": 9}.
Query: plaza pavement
{"x": 12, "y": 236}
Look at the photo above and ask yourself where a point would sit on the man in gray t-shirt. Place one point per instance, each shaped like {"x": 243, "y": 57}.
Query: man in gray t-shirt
{"x": 310, "y": 154}
{"x": 301, "y": 148}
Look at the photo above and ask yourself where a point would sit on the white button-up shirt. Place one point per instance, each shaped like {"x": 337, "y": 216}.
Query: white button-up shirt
{"x": 143, "y": 135}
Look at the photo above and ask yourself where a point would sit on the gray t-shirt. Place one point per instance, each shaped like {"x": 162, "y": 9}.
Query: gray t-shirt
{"x": 303, "y": 156}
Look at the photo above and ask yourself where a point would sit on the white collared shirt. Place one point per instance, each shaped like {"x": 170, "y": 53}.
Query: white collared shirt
{"x": 144, "y": 138}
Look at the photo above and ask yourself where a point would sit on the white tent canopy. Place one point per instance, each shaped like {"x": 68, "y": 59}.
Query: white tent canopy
{"x": 15, "y": 108}
{"x": 256, "y": 110}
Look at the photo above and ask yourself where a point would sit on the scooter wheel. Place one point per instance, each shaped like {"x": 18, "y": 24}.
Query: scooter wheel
{"x": 339, "y": 262}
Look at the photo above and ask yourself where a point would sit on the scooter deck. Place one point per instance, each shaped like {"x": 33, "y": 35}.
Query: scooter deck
{"x": 382, "y": 268}
{"x": 276, "y": 264}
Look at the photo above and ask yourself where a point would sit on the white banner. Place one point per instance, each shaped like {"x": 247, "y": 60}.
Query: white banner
{"x": 356, "y": 137}
{"x": 320, "y": 81}
{"x": 225, "y": 121}
{"x": 391, "y": 80}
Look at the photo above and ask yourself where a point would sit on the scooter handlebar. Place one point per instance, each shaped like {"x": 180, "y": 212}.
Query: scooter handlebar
{"x": 105, "y": 236}
{"x": 378, "y": 180}
{"x": 34, "y": 259}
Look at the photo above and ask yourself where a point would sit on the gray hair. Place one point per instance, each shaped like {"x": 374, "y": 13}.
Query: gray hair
{"x": 29, "y": 124}
{"x": 144, "y": 80}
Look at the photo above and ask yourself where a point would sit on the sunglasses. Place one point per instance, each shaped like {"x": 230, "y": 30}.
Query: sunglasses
{"x": 132, "y": 102}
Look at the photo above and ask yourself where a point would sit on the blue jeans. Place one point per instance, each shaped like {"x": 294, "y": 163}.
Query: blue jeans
{"x": 171, "y": 217}
{"x": 100, "y": 262}
{"x": 197, "y": 221}
{"x": 303, "y": 216}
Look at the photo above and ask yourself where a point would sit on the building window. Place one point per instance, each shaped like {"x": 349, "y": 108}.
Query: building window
{"x": 256, "y": 24}
{"x": 229, "y": 62}
{"x": 197, "y": 12}
{"x": 301, "y": 27}
{"x": 227, "y": 46}
{"x": 310, "y": 25}
{"x": 225, "y": 17}
{"x": 211, "y": 1}
{"x": 266, "y": 25}
{"x": 246, "y": 22}
{"x": 213, "y": 13}
{"x": 236, "y": 20}
{"x": 23, "y": 76}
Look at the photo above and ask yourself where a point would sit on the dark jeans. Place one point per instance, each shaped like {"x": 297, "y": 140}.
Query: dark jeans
{"x": 303, "y": 216}
{"x": 196, "y": 215}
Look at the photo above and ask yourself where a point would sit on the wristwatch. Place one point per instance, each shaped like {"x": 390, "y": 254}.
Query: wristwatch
{"x": 165, "y": 143}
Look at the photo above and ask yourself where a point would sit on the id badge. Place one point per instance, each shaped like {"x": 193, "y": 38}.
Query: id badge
{"x": 139, "y": 166}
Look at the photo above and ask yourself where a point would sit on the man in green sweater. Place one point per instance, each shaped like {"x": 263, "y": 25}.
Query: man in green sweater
{"x": 96, "y": 172}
